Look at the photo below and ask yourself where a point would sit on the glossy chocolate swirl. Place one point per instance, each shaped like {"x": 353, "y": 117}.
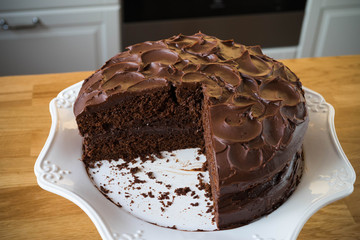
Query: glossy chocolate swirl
{"x": 256, "y": 105}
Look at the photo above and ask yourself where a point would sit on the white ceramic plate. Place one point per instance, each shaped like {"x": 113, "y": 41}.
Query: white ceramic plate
{"x": 328, "y": 176}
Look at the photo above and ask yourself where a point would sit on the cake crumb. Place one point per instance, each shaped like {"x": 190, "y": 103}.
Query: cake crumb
{"x": 164, "y": 195}
{"x": 134, "y": 170}
{"x": 122, "y": 166}
{"x": 151, "y": 195}
{"x": 210, "y": 209}
{"x": 182, "y": 191}
{"x": 159, "y": 155}
{"x": 138, "y": 180}
{"x": 104, "y": 190}
{"x": 150, "y": 158}
{"x": 150, "y": 175}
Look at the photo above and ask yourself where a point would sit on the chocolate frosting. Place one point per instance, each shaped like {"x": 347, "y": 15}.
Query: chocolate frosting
{"x": 256, "y": 104}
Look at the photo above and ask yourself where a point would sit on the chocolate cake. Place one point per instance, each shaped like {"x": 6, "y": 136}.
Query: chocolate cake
{"x": 243, "y": 109}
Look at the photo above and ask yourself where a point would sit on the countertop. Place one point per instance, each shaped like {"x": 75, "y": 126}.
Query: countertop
{"x": 29, "y": 212}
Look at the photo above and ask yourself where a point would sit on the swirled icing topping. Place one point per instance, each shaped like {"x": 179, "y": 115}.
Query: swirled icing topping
{"x": 257, "y": 106}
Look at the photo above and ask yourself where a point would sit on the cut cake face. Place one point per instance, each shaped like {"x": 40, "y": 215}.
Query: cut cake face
{"x": 244, "y": 110}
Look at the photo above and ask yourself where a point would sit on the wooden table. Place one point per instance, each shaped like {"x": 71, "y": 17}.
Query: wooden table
{"x": 29, "y": 212}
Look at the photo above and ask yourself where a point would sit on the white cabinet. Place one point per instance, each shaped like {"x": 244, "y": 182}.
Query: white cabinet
{"x": 330, "y": 28}
{"x": 68, "y": 37}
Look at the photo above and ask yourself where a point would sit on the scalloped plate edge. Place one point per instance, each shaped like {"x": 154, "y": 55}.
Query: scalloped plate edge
{"x": 348, "y": 189}
{"x": 100, "y": 225}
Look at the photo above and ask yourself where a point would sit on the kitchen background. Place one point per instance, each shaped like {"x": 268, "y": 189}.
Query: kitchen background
{"x": 39, "y": 36}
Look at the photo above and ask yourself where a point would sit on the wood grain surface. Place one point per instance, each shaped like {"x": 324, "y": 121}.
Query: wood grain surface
{"x": 29, "y": 212}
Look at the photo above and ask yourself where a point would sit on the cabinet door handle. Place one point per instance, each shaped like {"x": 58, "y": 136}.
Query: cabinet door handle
{"x": 35, "y": 22}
